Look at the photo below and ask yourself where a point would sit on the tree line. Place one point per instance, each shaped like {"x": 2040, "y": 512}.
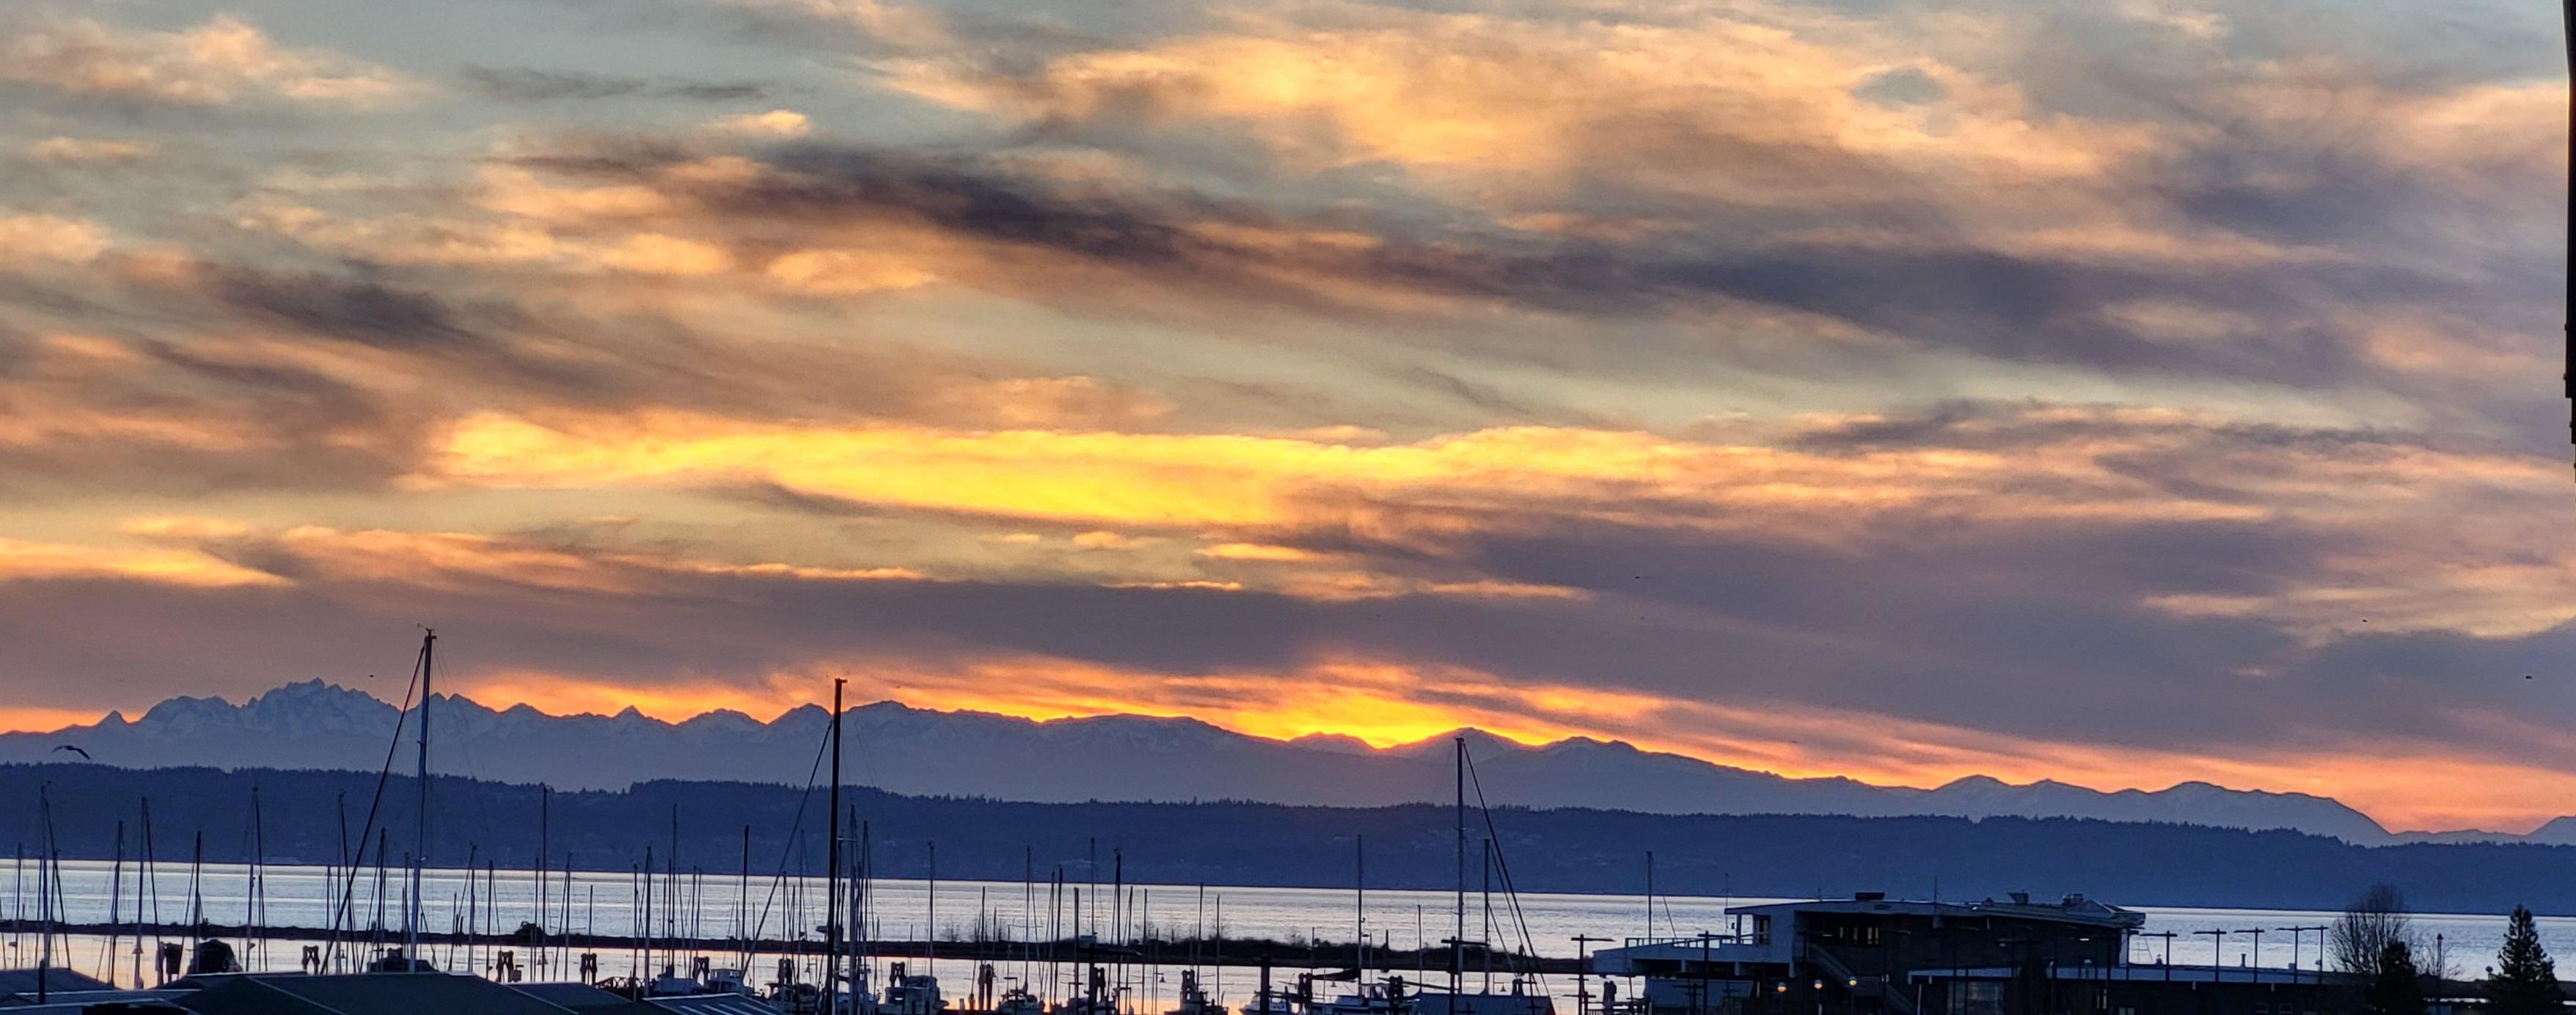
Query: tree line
{"x": 2375, "y": 940}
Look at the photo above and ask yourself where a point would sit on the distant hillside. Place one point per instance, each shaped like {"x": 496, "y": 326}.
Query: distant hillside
{"x": 907, "y": 750}
{"x": 1267, "y": 844}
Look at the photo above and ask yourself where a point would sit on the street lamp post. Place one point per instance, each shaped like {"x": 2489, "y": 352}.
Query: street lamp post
{"x": 2217, "y": 945}
{"x": 1583, "y": 973}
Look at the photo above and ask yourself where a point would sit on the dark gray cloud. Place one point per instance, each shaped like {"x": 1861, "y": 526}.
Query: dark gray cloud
{"x": 528, "y": 84}
{"x": 2012, "y": 307}
{"x": 352, "y": 309}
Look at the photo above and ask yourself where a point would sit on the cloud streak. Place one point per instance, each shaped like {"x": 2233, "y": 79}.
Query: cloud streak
{"x": 215, "y": 63}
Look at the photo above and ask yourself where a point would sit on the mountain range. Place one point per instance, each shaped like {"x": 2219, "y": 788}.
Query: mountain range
{"x": 919, "y": 752}
{"x": 99, "y": 813}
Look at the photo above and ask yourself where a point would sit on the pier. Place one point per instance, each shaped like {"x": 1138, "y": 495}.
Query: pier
{"x": 1424, "y": 963}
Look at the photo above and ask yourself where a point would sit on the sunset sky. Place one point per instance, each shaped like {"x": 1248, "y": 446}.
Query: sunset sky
{"x": 2119, "y": 392}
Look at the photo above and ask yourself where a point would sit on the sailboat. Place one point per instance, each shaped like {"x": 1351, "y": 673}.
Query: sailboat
{"x": 405, "y": 958}
{"x": 1458, "y": 1000}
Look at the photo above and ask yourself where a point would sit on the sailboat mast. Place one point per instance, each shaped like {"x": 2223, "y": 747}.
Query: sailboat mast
{"x": 1359, "y": 908}
{"x": 1458, "y": 940}
{"x": 420, "y": 828}
{"x": 44, "y": 894}
{"x": 856, "y": 895}
{"x": 832, "y": 859}
{"x": 254, "y": 898}
{"x": 115, "y": 902}
{"x": 545, "y": 819}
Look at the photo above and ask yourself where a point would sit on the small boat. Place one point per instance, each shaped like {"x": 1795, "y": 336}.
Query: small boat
{"x": 1018, "y": 1001}
{"x": 393, "y": 961}
{"x": 1269, "y": 1003}
{"x": 907, "y": 994}
{"x": 1101, "y": 999}
{"x": 1086, "y": 1006}
{"x": 1517, "y": 1002}
{"x": 1386, "y": 997}
{"x": 1194, "y": 1000}
{"x": 672, "y": 984}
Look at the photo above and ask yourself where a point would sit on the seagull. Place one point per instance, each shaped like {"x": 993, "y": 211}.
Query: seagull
{"x": 75, "y": 750}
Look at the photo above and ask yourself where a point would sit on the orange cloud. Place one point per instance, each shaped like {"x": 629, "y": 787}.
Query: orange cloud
{"x": 1258, "y": 551}
{"x": 776, "y": 123}
{"x": 453, "y": 560}
{"x": 2477, "y": 579}
{"x": 27, "y": 239}
{"x": 1469, "y": 94}
{"x": 73, "y": 151}
{"x": 213, "y": 63}
{"x": 1258, "y": 482}
{"x": 23, "y": 560}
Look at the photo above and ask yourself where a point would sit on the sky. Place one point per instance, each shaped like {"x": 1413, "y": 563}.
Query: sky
{"x": 2119, "y": 393}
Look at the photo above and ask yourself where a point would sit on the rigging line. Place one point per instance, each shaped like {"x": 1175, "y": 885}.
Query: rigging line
{"x": 358, "y": 859}
{"x": 1503, "y": 866}
{"x": 795, "y": 835}
{"x": 462, "y": 759}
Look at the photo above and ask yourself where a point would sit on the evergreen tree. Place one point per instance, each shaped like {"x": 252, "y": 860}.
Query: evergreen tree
{"x": 2525, "y": 981}
{"x": 2396, "y": 989}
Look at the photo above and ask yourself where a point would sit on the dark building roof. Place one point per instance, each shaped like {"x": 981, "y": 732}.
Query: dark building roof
{"x": 2074, "y": 909}
{"x": 713, "y": 1004}
{"x": 366, "y": 994}
{"x": 576, "y": 996}
{"x": 57, "y": 979}
{"x": 76, "y": 1000}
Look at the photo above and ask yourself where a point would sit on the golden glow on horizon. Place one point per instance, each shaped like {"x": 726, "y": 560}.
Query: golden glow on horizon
{"x": 1154, "y": 479}
{"x": 40, "y": 719}
{"x": 2404, "y": 786}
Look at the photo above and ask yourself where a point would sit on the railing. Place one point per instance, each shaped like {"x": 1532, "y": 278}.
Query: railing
{"x": 1896, "y": 1000}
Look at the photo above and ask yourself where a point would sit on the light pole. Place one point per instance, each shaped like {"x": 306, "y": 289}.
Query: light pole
{"x": 2295, "y": 937}
{"x": 2217, "y": 944}
{"x": 1701, "y": 1002}
{"x": 1582, "y": 973}
{"x": 2167, "y": 960}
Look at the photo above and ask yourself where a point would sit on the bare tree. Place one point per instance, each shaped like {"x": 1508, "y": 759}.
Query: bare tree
{"x": 2371, "y": 922}
{"x": 2437, "y": 962}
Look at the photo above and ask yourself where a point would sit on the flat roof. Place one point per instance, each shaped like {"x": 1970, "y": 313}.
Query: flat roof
{"x": 365, "y": 994}
{"x": 2148, "y": 974}
{"x": 2075, "y": 909}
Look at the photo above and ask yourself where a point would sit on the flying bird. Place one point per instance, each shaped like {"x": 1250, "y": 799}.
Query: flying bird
{"x": 75, "y": 750}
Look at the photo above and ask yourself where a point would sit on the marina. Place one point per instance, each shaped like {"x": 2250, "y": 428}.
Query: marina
{"x": 1302, "y": 921}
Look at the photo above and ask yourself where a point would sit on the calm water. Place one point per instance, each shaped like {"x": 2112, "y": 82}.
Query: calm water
{"x": 708, "y": 906}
